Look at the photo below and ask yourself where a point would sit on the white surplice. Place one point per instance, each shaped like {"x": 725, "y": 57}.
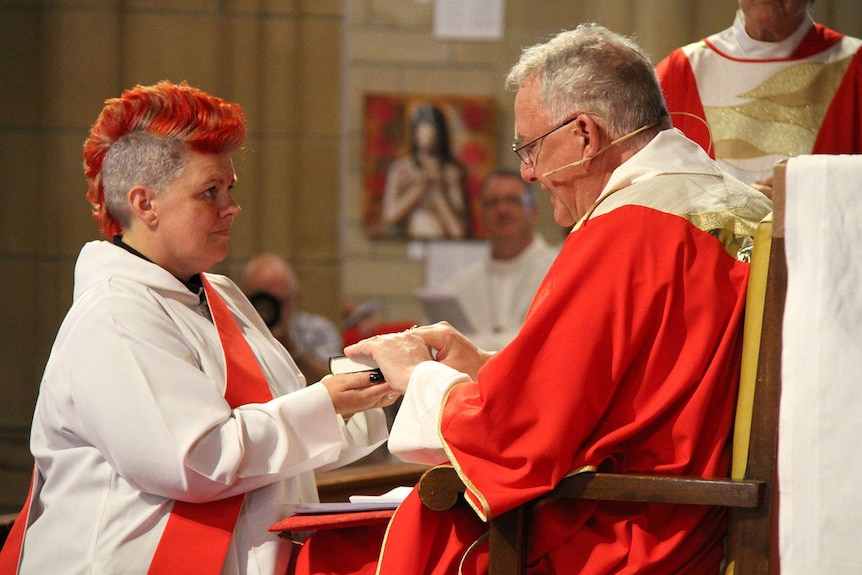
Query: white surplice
{"x": 131, "y": 416}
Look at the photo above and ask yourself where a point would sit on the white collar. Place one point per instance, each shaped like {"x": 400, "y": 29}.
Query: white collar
{"x": 102, "y": 261}
{"x": 669, "y": 152}
{"x": 735, "y": 41}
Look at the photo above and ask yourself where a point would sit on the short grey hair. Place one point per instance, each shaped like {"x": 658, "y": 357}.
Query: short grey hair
{"x": 591, "y": 69}
{"x": 138, "y": 159}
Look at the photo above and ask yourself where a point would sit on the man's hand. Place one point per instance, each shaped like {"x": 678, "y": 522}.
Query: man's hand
{"x": 398, "y": 354}
{"x": 354, "y": 392}
{"x": 453, "y": 348}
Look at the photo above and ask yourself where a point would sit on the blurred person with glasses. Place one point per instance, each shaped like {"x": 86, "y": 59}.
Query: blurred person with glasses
{"x": 495, "y": 292}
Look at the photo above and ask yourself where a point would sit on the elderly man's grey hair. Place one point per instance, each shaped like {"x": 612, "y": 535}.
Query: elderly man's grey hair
{"x": 591, "y": 69}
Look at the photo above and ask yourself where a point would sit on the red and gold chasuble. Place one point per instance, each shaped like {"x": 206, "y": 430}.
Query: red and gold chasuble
{"x": 760, "y": 111}
{"x": 628, "y": 364}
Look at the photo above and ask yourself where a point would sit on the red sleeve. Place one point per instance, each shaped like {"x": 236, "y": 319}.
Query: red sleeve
{"x": 682, "y": 98}
{"x": 628, "y": 360}
{"x": 841, "y": 130}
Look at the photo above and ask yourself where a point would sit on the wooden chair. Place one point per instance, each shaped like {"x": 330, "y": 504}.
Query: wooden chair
{"x": 748, "y": 494}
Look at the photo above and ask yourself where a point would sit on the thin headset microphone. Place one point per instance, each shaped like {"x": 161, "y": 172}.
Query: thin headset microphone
{"x": 584, "y": 160}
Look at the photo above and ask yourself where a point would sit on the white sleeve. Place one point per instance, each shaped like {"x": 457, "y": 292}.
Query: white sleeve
{"x": 141, "y": 396}
{"x": 361, "y": 434}
{"x": 415, "y": 435}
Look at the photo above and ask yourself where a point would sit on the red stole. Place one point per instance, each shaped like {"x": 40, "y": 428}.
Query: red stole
{"x": 10, "y": 555}
{"x": 196, "y": 538}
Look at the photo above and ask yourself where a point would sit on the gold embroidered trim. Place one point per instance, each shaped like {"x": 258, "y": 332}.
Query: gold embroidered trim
{"x": 485, "y": 511}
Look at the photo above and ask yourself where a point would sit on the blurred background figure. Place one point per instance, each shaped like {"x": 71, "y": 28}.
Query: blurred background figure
{"x": 425, "y": 195}
{"x": 774, "y": 85}
{"x": 496, "y": 292}
{"x": 272, "y": 286}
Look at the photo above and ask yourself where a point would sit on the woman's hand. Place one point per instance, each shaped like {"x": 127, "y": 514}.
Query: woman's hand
{"x": 354, "y": 392}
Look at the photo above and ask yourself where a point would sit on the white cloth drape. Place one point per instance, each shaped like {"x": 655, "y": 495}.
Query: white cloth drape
{"x": 820, "y": 428}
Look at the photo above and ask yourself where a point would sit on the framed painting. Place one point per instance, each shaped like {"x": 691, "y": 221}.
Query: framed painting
{"x": 424, "y": 161}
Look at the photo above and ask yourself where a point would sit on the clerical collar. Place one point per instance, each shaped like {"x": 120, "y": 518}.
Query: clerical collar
{"x": 194, "y": 285}
{"x": 756, "y": 49}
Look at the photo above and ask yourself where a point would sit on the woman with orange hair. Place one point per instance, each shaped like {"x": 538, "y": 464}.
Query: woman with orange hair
{"x": 171, "y": 427}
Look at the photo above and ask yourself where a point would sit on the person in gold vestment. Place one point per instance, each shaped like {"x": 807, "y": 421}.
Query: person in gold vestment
{"x": 776, "y": 84}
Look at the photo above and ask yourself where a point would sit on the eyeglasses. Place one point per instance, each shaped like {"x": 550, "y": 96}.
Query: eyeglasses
{"x": 526, "y": 151}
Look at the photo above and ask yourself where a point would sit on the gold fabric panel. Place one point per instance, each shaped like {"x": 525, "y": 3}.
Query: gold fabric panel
{"x": 734, "y": 228}
{"x": 783, "y": 115}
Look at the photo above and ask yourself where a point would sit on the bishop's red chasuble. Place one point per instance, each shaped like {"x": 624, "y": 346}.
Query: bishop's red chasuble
{"x": 624, "y": 363}
{"x": 628, "y": 361}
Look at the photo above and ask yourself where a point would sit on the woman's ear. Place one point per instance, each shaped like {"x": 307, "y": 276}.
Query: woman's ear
{"x": 142, "y": 205}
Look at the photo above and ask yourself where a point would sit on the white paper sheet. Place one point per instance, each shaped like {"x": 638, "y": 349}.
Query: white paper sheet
{"x": 469, "y": 19}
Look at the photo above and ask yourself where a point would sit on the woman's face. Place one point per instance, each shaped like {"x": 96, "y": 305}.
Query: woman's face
{"x": 195, "y": 214}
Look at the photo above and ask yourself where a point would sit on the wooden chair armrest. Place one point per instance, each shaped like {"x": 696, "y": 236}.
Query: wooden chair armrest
{"x": 662, "y": 489}
{"x": 440, "y": 487}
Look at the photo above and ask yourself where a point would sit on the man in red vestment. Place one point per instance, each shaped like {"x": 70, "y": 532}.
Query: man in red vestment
{"x": 773, "y": 85}
{"x": 628, "y": 359}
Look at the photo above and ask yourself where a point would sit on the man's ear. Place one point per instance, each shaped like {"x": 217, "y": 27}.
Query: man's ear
{"x": 591, "y": 132}
{"x": 142, "y": 205}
